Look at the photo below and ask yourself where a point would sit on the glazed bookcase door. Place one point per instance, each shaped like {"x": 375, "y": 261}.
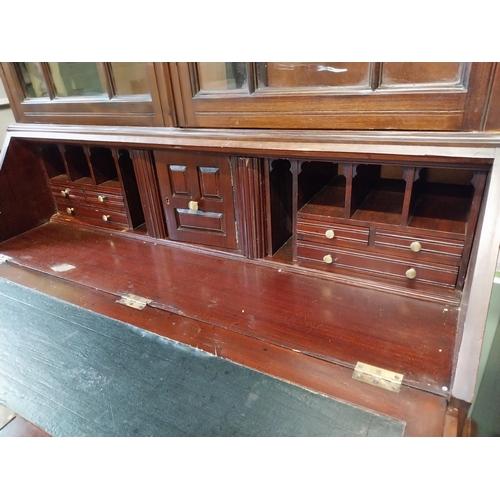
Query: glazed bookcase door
{"x": 331, "y": 95}
{"x": 86, "y": 93}
{"x": 197, "y": 198}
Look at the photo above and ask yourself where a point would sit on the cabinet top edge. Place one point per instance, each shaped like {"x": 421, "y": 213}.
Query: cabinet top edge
{"x": 266, "y": 142}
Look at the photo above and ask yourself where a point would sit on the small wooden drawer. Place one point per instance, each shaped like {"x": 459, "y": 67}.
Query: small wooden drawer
{"x": 86, "y": 212}
{"x": 333, "y": 235}
{"x": 101, "y": 197}
{"x": 68, "y": 192}
{"x": 419, "y": 249}
{"x": 406, "y": 270}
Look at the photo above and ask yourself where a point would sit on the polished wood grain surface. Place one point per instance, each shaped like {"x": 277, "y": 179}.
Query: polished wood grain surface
{"x": 25, "y": 197}
{"x": 333, "y": 321}
{"x": 423, "y": 412}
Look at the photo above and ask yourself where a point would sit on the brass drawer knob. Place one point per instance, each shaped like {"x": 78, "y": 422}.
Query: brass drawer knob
{"x": 106, "y": 218}
{"x": 101, "y": 198}
{"x": 411, "y": 273}
{"x": 328, "y": 259}
{"x": 70, "y": 211}
{"x": 65, "y": 193}
{"x": 329, "y": 233}
{"x": 415, "y": 246}
{"x": 193, "y": 206}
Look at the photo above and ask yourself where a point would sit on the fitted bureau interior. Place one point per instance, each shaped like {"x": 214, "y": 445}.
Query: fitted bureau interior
{"x": 299, "y": 240}
{"x": 406, "y": 226}
{"x": 94, "y": 184}
{"x": 377, "y": 194}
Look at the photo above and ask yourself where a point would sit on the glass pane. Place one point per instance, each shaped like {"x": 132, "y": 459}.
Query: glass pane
{"x": 413, "y": 73}
{"x": 222, "y": 75}
{"x": 76, "y": 79}
{"x": 312, "y": 74}
{"x": 32, "y": 80}
{"x": 130, "y": 78}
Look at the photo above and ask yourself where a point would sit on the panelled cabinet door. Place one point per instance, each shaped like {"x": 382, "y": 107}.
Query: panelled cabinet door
{"x": 333, "y": 95}
{"x": 197, "y": 198}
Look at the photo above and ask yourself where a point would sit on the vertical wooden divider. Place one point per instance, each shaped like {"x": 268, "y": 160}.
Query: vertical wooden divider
{"x": 62, "y": 151}
{"x": 409, "y": 177}
{"x": 149, "y": 193}
{"x": 295, "y": 166}
{"x": 348, "y": 171}
{"x": 269, "y": 229}
{"x": 86, "y": 150}
{"x": 478, "y": 181}
{"x": 250, "y": 189}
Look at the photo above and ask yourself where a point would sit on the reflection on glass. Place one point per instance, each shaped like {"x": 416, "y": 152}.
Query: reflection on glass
{"x": 76, "y": 79}
{"x": 130, "y": 78}
{"x": 222, "y": 75}
{"x": 312, "y": 74}
{"x": 394, "y": 73}
{"x": 32, "y": 79}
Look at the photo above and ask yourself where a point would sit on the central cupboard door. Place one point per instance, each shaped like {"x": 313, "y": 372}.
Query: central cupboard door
{"x": 197, "y": 198}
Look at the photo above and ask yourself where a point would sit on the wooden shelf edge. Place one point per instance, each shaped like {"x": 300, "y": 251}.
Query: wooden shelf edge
{"x": 432, "y": 145}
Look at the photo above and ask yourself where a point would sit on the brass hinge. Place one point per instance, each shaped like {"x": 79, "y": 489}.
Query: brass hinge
{"x": 379, "y": 377}
{"x": 134, "y": 301}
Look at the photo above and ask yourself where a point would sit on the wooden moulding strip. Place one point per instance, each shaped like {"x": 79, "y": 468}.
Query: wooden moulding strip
{"x": 424, "y": 145}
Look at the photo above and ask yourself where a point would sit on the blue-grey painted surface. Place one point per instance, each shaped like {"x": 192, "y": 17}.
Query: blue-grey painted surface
{"x": 76, "y": 373}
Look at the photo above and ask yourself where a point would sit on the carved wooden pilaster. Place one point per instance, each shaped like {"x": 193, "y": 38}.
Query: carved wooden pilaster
{"x": 148, "y": 189}
{"x": 250, "y": 191}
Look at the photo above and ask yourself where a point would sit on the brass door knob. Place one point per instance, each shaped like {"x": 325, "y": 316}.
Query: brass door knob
{"x": 65, "y": 193}
{"x": 101, "y": 198}
{"x": 193, "y": 206}
{"x": 70, "y": 211}
{"x": 106, "y": 218}
{"x": 415, "y": 246}
{"x": 328, "y": 259}
{"x": 411, "y": 273}
{"x": 330, "y": 233}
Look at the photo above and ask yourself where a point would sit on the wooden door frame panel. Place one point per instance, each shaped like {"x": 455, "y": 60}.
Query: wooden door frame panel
{"x": 433, "y": 109}
{"x": 120, "y": 111}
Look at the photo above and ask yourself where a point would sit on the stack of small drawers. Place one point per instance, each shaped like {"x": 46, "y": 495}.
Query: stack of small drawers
{"x": 100, "y": 205}
{"x": 410, "y": 256}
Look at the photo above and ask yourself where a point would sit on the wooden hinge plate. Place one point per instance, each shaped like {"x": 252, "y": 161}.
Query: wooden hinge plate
{"x": 379, "y": 377}
{"x": 134, "y": 301}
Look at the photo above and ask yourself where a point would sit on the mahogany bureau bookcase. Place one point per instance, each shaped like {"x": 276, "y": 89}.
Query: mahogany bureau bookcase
{"x": 321, "y": 217}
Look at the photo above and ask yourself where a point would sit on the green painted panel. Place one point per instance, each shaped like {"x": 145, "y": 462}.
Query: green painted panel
{"x": 76, "y": 373}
